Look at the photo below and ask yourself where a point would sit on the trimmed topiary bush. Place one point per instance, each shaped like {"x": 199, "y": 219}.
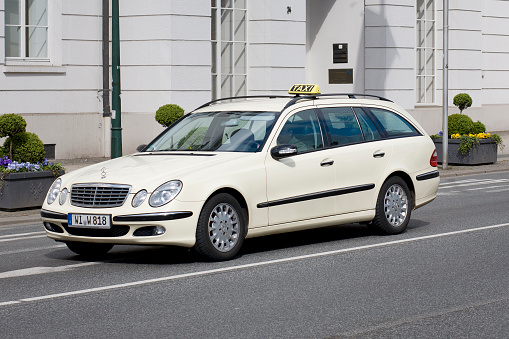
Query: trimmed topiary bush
{"x": 26, "y": 147}
{"x": 478, "y": 127}
{"x": 459, "y": 124}
{"x": 462, "y": 101}
{"x": 168, "y": 114}
{"x": 11, "y": 125}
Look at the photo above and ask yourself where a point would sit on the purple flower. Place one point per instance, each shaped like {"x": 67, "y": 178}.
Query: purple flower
{"x": 5, "y": 161}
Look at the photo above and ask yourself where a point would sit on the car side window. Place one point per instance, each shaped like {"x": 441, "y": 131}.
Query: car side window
{"x": 342, "y": 125}
{"x": 302, "y": 130}
{"x": 367, "y": 126}
{"x": 393, "y": 124}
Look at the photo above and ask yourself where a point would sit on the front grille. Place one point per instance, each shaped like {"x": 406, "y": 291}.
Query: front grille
{"x": 114, "y": 231}
{"x": 99, "y": 195}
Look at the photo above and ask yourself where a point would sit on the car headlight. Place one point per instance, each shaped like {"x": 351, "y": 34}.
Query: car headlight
{"x": 165, "y": 193}
{"x": 139, "y": 198}
{"x": 53, "y": 191}
{"x": 63, "y": 196}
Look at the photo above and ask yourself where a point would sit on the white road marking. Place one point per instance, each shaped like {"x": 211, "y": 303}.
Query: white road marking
{"x": 486, "y": 188}
{"x": 32, "y": 249}
{"x": 245, "y": 266}
{"x": 20, "y": 235}
{"x": 41, "y": 270}
{"x": 448, "y": 193}
{"x": 23, "y": 238}
{"x": 483, "y": 182}
{"x": 497, "y": 191}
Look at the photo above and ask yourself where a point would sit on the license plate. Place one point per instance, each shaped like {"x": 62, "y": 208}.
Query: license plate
{"x": 102, "y": 221}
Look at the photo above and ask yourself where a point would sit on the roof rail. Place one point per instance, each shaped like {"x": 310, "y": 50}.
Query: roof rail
{"x": 350, "y": 96}
{"x": 244, "y": 97}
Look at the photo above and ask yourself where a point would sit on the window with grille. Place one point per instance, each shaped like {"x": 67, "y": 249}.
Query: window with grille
{"x": 26, "y": 29}
{"x": 425, "y": 48}
{"x": 229, "y": 72}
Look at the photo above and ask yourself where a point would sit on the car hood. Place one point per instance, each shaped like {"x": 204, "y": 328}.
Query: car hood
{"x": 148, "y": 170}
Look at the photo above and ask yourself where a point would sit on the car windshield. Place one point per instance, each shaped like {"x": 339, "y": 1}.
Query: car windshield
{"x": 218, "y": 132}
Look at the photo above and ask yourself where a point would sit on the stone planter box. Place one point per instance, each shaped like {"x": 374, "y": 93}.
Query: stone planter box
{"x": 25, "y": 190}
{"x": 485, "y": 153}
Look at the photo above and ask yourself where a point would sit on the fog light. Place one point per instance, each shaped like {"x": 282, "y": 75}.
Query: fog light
{"x": 53, "y": 228}
{"x": 159, "y": 230}
{"x": 149, "y": 231}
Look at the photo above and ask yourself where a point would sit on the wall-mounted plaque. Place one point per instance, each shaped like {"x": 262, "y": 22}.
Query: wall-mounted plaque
{"x": 341, "y": 76}
{"x": 339, "y": 53}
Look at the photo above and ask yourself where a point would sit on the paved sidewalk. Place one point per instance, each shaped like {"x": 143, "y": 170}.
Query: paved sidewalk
{"x": 502, "y": 164}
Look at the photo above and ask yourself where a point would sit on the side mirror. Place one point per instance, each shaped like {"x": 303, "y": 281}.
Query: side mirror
{"x": 141, "y": 148}
{"x": 283, "y": 151}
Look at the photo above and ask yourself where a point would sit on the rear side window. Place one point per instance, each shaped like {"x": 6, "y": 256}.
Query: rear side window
{"x": 393, "y": 124}
{"x": 342, "y": 125}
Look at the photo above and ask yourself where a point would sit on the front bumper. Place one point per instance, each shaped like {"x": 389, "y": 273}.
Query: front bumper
{"x": 179, "y": 228}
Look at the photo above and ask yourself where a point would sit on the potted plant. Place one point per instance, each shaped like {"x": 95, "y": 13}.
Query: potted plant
{"x": 462, "y": 101}
{"x": 168, "y": 114}
{"x": 468, "y": 141}
{"x": 25, "y": 176}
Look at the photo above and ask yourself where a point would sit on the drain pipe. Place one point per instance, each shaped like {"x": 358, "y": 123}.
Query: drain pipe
{"x": 445, "y": 127}
{"x": 116, "y": 123}
{"x": 106, "y": 58}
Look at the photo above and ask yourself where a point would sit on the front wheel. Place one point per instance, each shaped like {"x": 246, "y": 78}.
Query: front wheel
{"x": 89, "y": 249}
{"x": 221, "y": 228}
{"x": 393, "y": 207}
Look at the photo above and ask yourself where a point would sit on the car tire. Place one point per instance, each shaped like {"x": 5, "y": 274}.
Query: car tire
{"x": 393, "y": 207}
{"x": 221, "y": 228}
{"x": 89, "y": 249}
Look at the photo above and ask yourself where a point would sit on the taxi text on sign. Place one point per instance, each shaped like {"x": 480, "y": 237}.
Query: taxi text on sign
{"x": 304, "y": 89}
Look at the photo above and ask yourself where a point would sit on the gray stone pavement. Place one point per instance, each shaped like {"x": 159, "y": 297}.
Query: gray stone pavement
{"x": 33, "y": 215}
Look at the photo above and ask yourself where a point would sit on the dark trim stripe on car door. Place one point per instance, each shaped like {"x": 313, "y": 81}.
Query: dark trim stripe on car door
{"x": 317, "y": 195}
{"x": 427, "y": 176}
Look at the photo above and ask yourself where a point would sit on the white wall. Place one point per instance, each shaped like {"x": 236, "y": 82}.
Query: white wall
{"x": 277, "y": 46}
{"x": 330, "y": 22}
{"x": 390, "y": 50}
{"x": 165, "y": 59}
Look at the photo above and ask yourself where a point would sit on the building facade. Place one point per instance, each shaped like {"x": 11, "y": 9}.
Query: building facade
{"x": 189, "y": 52}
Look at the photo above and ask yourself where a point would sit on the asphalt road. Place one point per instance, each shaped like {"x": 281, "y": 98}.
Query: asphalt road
{"x": 446, "y": 277}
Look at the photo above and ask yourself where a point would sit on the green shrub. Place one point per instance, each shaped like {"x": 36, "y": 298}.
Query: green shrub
{"x": 462, "y": 101}
{"x": 26, "y": 147}
{"x": 10, "y": 125}
{"x": 168, "y": 114}
{"x": 478, "y": 127}
{"x": 459, "y": 123}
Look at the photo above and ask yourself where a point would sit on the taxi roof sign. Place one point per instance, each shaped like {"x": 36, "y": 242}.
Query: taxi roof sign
{"x": 304, "y": 89}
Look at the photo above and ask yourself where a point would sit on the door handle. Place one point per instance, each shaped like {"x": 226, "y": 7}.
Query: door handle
{"x": 378, "y": 154}
{"x": 327, "y": 162}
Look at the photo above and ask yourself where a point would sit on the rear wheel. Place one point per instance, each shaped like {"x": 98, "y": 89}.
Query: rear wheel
{"x": 393, "y": 207}
{"x": 89, "y": 249}
{"x": 221, "y": 228}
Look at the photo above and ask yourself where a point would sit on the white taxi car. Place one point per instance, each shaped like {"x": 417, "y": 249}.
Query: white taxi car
{"x": 237, "y": 168}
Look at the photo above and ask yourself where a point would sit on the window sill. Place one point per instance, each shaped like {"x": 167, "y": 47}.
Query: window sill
{"x": 427, "y": 105}
{"x": 34, "y": 69}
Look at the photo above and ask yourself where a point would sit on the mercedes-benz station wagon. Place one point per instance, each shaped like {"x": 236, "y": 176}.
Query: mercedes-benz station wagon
{"x": 238, "y": 168}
